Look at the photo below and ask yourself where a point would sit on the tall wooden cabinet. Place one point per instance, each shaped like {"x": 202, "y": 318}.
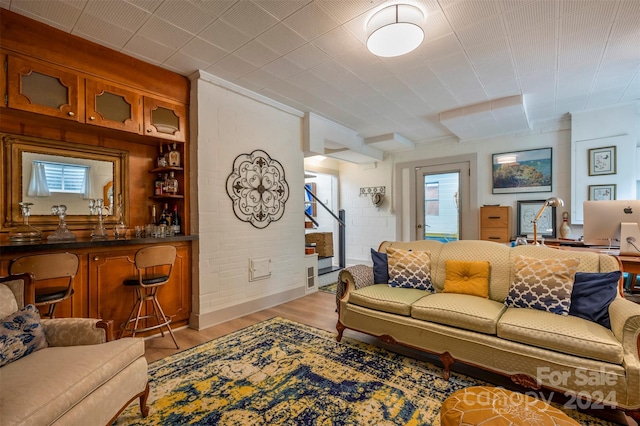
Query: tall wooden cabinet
{"x": 495, "y": 223}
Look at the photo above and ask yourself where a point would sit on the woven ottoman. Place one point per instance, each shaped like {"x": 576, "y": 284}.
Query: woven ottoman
{"x": 483, "y": 405}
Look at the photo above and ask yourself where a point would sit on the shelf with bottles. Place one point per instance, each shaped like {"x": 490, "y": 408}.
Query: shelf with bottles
{"x": 167, "y": 196}
{"x": 166, "y": 169}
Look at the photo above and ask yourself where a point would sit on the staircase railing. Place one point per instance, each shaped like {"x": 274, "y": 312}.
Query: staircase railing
{"x": 342, "y": 257}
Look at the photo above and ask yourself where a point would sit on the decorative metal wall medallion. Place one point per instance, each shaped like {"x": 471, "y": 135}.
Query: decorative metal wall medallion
{"x": 257, "y": 188}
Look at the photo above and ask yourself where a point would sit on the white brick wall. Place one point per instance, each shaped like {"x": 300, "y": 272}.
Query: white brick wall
{"x": 226, "y": 124}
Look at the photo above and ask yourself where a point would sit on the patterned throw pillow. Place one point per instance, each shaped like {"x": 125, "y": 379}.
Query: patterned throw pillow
{"x": 410, "y": 269}
{"x": 467, "y": 277}
{"x": 21, "y": 333}
{"x": 8, "y": 304}
{"x": 543, "y": 284}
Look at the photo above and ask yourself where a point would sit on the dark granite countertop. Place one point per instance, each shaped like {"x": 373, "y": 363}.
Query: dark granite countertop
{"x": 24, "y": 247}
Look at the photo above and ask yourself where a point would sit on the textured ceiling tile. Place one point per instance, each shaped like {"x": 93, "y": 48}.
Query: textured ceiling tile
{"x": 215, "y": 8}
{"x": 123, "y": 14}
{"x": 307, "y": 56}
{"x": 587, "y": 18}
{"x": 507, "y": 5}
{"x": 141, "y": 47}
{"x": 570, "y": 6}
{"x": 329, "y": 70}
{"x": 224, "y": 36}
{"x": 148, "y": 5}
{"x": 102, "y": 32}
{"x": 311, "y": 22}
{"x": 248, "y": 18}
{"x": 164, "y": 33}
{"x": 206, "y": 52}
{"x": 281, "y": 39}
{"x": 373, "y": 72}
{"x": 405, "y": 62}
{"x": 184, "y": 64}
{"x": 465, "y": 13}
{"x": 231, "y": 68}
{"x": 628, "y": 9}
{"x": 480, "y": 33}
{"x": 260, "y": 79}
{"x": 256, "y": 53}
{"x": 436, "y": 26}
{"x": 532, "y": 14}
{"x": 627, "y": 28}
{"x": 488, "y": 52}
{"x": 346, "y": 10}
{"x": 283, "y": 68}
{"x": 440, "y": 48}
{"x": 281, "y": 8}
{"x": 304, "y": 79}
{"x": 55, "y": 13}
{"x": 337, "y": 42}
{"x": 185, "y": 15}
{"x": 356, "y": 59}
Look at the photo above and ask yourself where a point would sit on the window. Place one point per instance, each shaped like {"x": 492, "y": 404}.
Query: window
{"x": 432, "y": 198}
{"x": 62, "y": 177}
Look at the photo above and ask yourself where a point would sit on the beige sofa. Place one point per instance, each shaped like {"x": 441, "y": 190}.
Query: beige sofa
{"x": 566, "y": 354}
{"x": 81, "y": 378}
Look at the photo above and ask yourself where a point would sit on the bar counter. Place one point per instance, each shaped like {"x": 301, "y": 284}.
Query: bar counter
{"x": 103, "y": 266}
{"x": 9, "y": 248}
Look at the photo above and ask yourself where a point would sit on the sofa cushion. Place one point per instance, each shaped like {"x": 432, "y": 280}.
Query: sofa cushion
{"x": 566, "y": 334}
{"x": 60, "y": 377}
{"x": 21, "y": 334}
{"x": 459, "y": 310}
{"x": 8, "y": 304}
{"x": 467, "y": 277}
{"x": 409, "y": 269}
{"x": 383, "y": 298}
{"x": 543, "y": 284}
{"x": 380, "y": 267}
{"x": 592, "y": 294}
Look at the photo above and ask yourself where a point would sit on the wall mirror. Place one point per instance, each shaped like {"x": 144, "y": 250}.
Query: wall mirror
{"x": 48, "y": 172}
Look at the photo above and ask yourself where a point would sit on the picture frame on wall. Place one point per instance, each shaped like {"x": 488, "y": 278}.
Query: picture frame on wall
{"x": 602, "y": 161}
{"x": 522, "y": 171}
{"x": 527, "y": 211}
{"x": 602, "y": 192}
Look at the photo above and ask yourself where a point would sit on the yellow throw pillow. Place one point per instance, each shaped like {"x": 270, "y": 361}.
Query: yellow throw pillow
{"x": 467, "y": 277}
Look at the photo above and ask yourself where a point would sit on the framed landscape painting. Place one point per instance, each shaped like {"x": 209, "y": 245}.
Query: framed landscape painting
{"x": 522, "y": 171}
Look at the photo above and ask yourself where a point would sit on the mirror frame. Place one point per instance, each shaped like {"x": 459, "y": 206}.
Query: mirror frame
{"x": 12, "y": 148}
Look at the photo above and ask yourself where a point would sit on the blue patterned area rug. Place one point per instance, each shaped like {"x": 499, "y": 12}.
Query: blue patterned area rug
{"x": 330, "y": 288}
{"x": 280, "y": 372}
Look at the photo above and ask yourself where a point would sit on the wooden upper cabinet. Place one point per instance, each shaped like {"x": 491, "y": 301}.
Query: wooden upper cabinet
{"x": 164, "y": 119}
{"x": 43, "y": 89}
{"x": 113, "y": 107}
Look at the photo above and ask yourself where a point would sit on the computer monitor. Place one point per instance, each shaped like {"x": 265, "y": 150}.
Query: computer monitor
{"x": 603, "y": 219}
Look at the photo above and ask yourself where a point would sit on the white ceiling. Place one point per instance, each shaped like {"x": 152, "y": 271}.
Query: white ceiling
{"x": 561, "y": 55}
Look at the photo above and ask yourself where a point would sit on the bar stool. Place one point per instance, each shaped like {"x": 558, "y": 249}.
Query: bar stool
{"x": 147, "y": 282}
{"x": 54, "y": 266}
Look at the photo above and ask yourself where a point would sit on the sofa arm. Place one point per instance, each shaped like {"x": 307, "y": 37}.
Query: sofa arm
{"x": 77, "y": 331}
{"x": 625, "y": 324}
{"x": 353, "y": 278}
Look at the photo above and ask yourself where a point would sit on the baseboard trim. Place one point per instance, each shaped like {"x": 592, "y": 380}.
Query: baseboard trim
{"x": 209, "y": 319}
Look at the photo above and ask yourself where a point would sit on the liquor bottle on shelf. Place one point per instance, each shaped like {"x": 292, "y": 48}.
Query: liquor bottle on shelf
{"x": 172, "y": 183}
{"x": 164, "y": 216}
{"x": 176, "y": 222}
{"x": 158, "y": 185}
{"x": 174, "y": 156}
{"x": 153, "y": 215}
{"x": 165, "y": 183}
{"x": 161, "y": 160}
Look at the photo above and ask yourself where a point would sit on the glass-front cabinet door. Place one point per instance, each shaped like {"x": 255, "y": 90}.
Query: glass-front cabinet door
{"x": 43, "y": 89}
{"x": 113, "y": 107}
{"x": 165, "y": 119}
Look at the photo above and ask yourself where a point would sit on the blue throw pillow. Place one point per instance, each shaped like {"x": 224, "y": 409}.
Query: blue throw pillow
{"x": 592, "y": 294}
{"x": 380, "y": 267}
{"x": 21, "y": 333}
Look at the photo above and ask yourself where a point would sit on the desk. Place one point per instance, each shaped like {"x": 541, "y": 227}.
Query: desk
{"x": 630, "y": 264}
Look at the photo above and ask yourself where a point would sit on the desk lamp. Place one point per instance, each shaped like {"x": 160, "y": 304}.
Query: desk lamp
{"x": 550, "y": 202}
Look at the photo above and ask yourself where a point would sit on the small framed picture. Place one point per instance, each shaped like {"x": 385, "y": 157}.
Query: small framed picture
{"x": 527, "y": 211}
{"x": 602, "y": 192}
{"x": 602, "y": 161}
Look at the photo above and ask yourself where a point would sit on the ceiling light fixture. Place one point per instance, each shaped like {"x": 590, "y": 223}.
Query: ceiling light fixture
{"x": 395, "y": 30}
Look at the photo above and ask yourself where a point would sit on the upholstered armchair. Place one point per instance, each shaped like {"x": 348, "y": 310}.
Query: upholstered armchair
{"x": 63, "y": 370}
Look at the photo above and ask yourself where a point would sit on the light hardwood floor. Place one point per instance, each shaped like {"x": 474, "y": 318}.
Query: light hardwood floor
{"x": 319, "y": 310}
